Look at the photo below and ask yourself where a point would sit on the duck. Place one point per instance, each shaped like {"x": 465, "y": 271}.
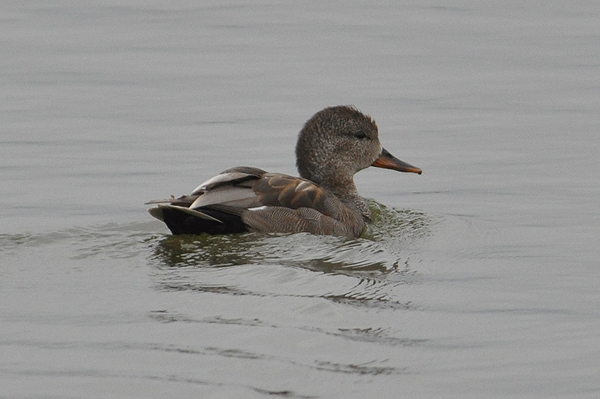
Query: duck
{"x": 333, "y": 145}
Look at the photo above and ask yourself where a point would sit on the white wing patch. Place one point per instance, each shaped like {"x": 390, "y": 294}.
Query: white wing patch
{"x": 258, "y": 208}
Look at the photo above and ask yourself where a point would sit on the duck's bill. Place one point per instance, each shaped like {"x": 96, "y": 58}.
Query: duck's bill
{"x": 388, "y": 161}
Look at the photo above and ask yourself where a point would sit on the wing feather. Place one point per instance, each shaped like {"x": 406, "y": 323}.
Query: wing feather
{"x": 230, "y": 177}
{"x": 275, "y": 189}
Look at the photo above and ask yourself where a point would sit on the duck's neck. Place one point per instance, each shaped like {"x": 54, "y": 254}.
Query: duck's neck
{"x": 345, "y": 190}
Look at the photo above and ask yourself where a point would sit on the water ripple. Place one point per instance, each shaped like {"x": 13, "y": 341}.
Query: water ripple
{"x": 379, "y": 250}
{"x": 364, "y": 273}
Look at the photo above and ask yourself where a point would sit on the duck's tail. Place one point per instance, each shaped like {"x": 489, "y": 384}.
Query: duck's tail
{"x": 182, "y": 220}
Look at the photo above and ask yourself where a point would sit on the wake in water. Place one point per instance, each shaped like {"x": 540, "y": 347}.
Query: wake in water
{"x": 381, "y": 248}
{"x": 362, "y": 272}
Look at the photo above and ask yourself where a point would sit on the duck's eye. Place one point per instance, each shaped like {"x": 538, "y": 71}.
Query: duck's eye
{"x": 360, "y": 135}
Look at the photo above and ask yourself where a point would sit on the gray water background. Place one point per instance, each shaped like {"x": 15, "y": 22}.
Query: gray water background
{"x": 480, "y": 278}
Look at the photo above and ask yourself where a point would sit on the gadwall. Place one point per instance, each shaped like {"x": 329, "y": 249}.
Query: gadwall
{"x": 332, "y": 146}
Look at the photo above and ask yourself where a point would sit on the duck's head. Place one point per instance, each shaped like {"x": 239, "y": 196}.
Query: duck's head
{"x": 336, "y": 143}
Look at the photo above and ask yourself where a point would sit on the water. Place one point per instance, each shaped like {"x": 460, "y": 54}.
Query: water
{"x": 477, "y": 279}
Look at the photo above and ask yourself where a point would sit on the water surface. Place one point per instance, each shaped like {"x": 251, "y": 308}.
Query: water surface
{"x": 478, "y": 278}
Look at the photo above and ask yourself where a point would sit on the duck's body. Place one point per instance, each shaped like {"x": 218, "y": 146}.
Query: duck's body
{"x": 334, "y": 144}
{"x": 243, "y": 198}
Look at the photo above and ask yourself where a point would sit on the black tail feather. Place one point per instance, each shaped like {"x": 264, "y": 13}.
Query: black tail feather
{"x": 184, "y": 223}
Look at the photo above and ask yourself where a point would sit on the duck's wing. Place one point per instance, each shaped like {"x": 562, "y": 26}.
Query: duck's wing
{"x": 281, "y": 190}
{"x": 291, "y": 204}
{"x": 245, "y": 198}
{"x": 227, "y": 179}
{"x": 190, "y": 214}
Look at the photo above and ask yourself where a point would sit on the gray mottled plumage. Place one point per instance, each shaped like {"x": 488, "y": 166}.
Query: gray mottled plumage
{"x": 332, "y": 146}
